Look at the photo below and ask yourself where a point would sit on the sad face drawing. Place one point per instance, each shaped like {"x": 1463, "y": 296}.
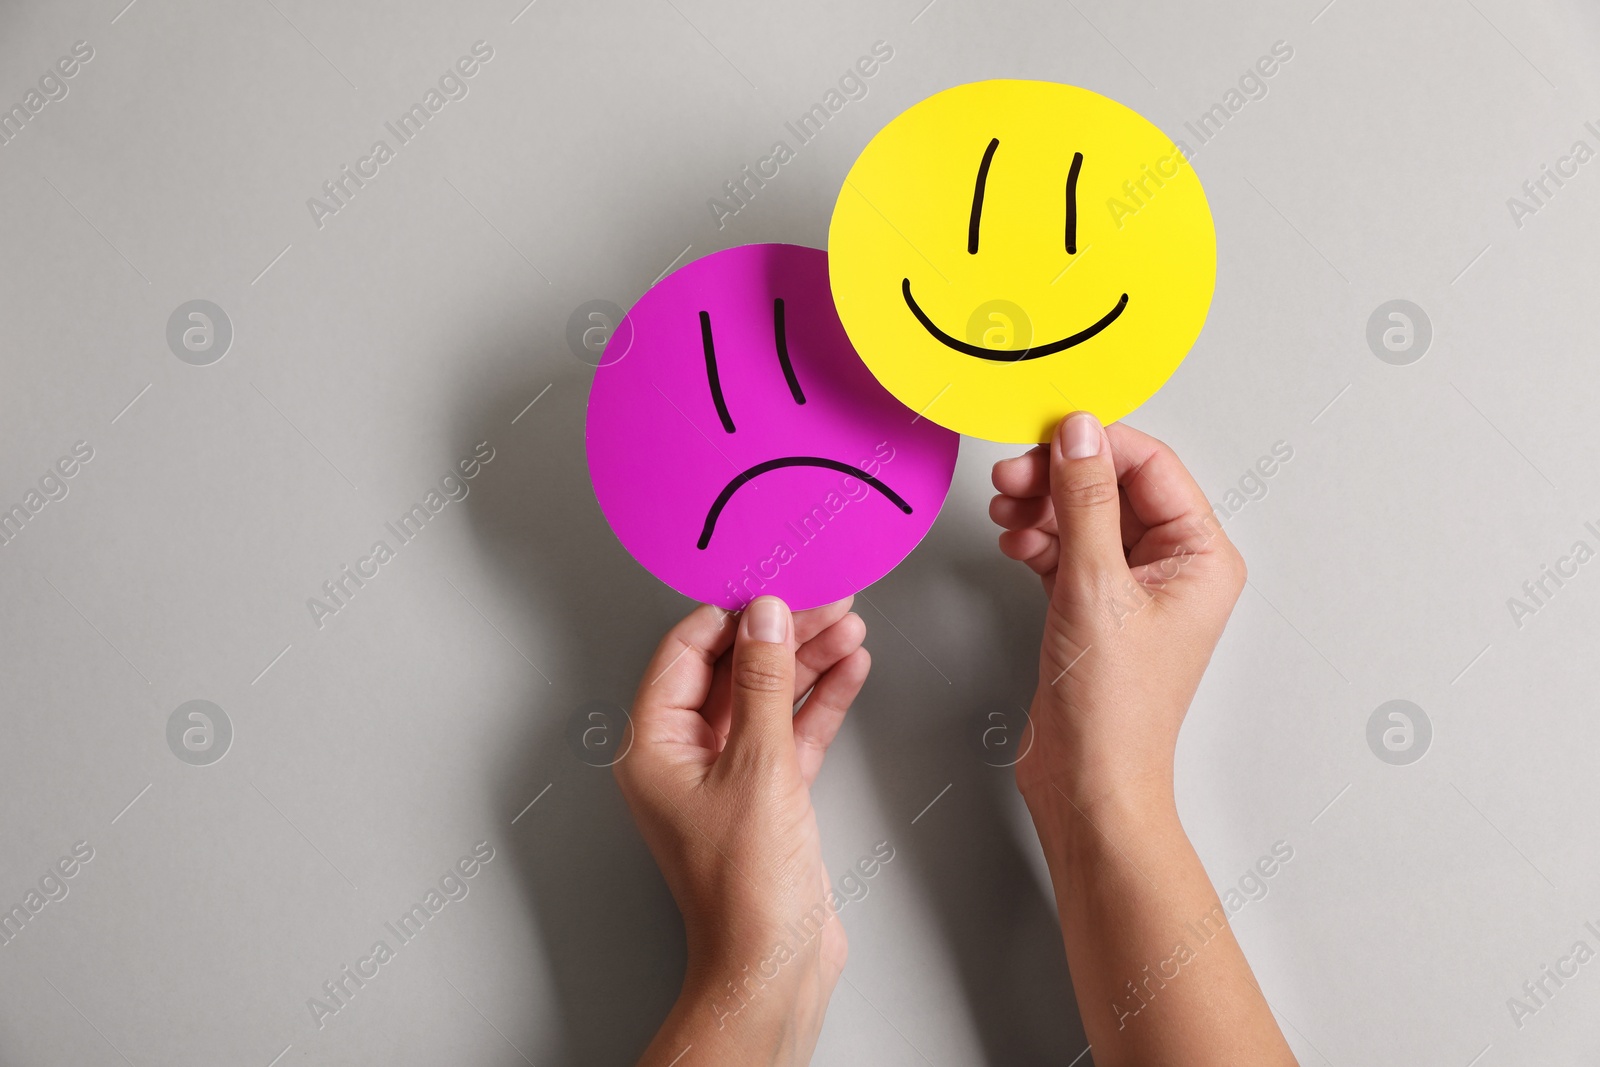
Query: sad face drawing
{"x": 741, "y": 448}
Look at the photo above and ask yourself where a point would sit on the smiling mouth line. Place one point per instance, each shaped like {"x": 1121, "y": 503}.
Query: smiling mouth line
{"x": 1003, "y": 356}
{"x": 759, "y": 469}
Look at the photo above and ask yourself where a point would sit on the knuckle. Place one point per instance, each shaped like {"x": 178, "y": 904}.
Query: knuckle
{"x": 1237, "y": 570}
{"x": 626, "y": 777}
{"x": 762, "y": 674}
{"x": 1085, "y": 489}
{"x": 1098, "y": 603}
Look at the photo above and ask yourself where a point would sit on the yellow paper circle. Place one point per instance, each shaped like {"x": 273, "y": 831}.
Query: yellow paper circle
{"x": 1030, "y": 330}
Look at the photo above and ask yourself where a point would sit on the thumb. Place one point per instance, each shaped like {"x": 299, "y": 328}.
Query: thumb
{"x": 762, "y": 680}
{"x": 1083, "y": 488}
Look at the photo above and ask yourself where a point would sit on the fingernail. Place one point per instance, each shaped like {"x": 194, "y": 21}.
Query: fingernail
{"x": 767, "y": 620}
{"x": 1083, "y": 436}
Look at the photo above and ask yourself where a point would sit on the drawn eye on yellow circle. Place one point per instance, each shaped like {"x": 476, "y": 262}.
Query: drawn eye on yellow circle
{"x": 974, "y": 229}
{"x": 1006, "y": 252}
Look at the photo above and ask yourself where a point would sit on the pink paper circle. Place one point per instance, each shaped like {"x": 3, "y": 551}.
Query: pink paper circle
{"x": 807, "y": 501}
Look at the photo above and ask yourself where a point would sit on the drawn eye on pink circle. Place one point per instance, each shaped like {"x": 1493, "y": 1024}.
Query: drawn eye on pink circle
{"x": 739, "y": 446}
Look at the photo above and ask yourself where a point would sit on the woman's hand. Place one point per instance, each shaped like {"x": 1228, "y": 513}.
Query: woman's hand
{"x": 718, "y": 778}
{"x": 1141, "y": 580}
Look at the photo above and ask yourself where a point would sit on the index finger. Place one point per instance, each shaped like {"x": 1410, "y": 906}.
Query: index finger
{"x": 679, "y": 673}
{"x": 1024, "y": 476}
{"x": 1156, "y": 485}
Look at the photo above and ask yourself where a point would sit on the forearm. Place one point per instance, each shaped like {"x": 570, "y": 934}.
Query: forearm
{"x": 1158, "y": 975}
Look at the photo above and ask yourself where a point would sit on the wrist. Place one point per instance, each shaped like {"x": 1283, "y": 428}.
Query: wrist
{"x": 1105, "y": 843}
{"x": 752, "y": 1010}
{"x": 752, "y": 972}
{"x": 1087, "y": 756}
{"x": 1075, "y": 811}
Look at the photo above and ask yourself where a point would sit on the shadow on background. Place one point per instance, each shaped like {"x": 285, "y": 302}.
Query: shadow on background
{"x": 611, "y": 933}
{"x": 612, "y": 936}
{"x": 972, "y": 852}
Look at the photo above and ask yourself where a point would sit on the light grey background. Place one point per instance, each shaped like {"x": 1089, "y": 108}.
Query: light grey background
{"x": 371, "y": 354}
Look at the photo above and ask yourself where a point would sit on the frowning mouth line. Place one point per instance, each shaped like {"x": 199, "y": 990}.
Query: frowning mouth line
{"x": 759, "y": 469}
{"x": 1003, "y": 356}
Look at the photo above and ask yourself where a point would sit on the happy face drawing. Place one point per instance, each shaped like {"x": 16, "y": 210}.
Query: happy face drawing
{"x": 1006, "y": 252}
